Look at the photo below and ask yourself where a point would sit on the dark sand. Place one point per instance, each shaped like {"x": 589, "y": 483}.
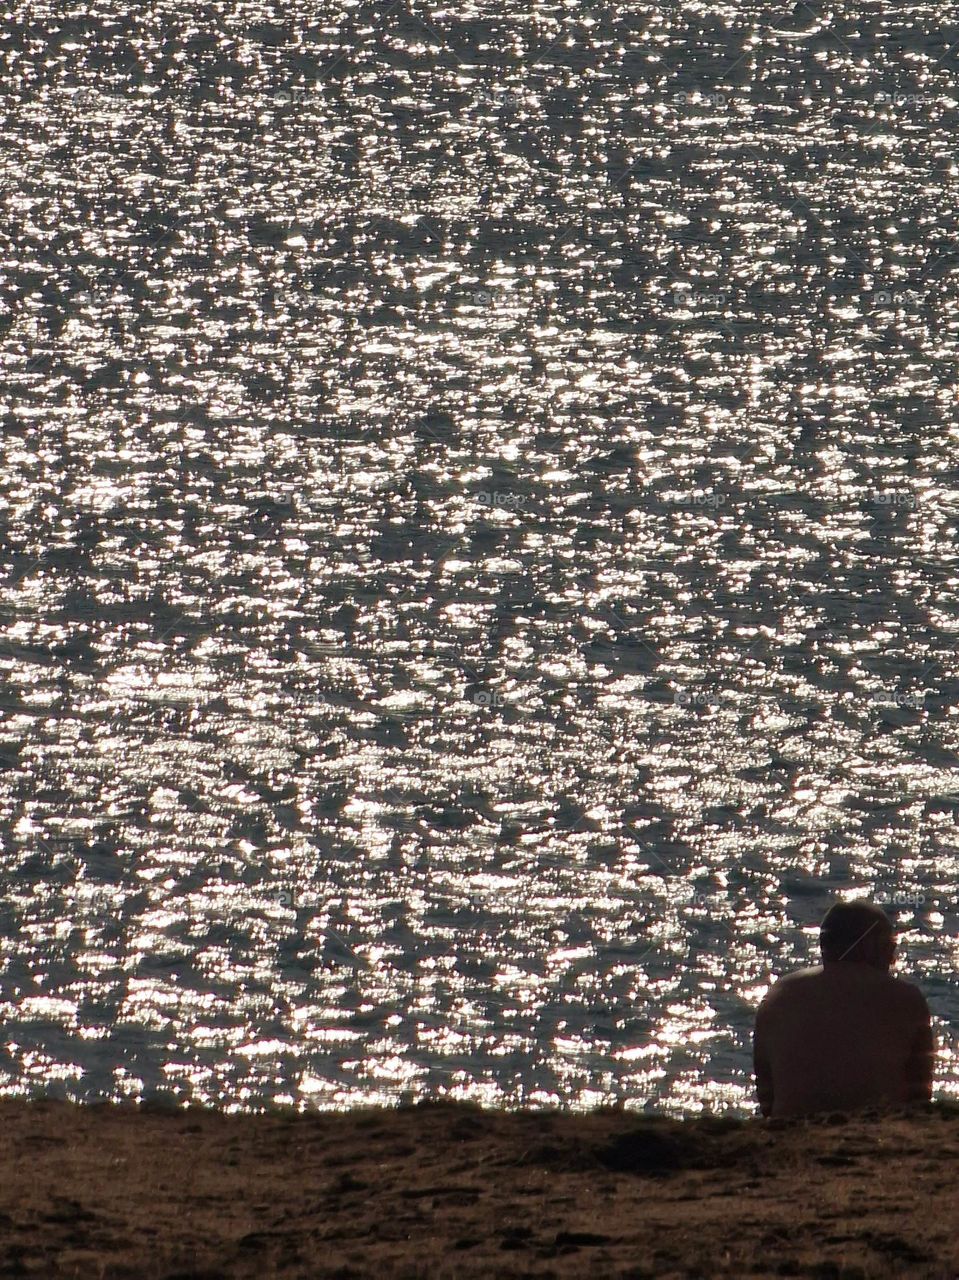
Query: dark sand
{"x": 447, "y": 1190}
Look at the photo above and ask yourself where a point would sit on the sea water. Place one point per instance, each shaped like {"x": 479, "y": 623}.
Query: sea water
{"x": 479, "y": 497}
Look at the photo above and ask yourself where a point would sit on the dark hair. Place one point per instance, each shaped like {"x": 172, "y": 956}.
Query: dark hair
{"x": 850, "y": 930}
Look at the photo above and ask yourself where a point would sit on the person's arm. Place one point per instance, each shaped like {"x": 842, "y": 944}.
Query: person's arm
{"x": 919, "y": 1067}
{"x": 761, "y": 1065}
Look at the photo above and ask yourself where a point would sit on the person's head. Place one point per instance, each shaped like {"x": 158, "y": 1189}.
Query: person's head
{"x": 859, "y": 931}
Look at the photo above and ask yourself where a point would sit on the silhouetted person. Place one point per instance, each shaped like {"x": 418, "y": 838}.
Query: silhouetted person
{"x": 845, "y": 1034}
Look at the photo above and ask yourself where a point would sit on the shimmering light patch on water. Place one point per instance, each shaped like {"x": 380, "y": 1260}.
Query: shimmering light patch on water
{"x": 478, "y": 568}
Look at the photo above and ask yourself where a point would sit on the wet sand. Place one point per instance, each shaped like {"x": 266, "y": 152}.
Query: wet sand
{"x": 448, "y": 1190}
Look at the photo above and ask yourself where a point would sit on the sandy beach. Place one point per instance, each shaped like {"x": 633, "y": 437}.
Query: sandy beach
{"x": 448, "y": 1190}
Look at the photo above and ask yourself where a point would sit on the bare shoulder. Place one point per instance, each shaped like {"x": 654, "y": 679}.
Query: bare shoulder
{"x": 799, "y": 977}
{"x": 907, "y": 992}
{"x": 791, "y": 982}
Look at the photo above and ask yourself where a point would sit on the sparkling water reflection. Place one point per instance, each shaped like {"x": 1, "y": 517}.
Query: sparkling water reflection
{"x": 479, "y": 502}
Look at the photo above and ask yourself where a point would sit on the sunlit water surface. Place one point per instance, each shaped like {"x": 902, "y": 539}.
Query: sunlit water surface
{"x": 479, "y": 570}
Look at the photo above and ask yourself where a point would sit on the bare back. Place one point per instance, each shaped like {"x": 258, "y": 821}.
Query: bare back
{"x": 841, "y": 1036}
